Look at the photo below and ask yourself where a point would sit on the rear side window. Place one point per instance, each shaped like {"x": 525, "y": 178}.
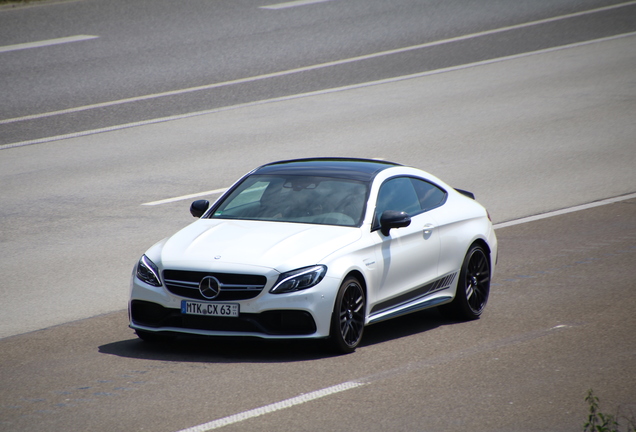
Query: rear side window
{"x": 410, "y": 195}
{"x": 429, "y": 195}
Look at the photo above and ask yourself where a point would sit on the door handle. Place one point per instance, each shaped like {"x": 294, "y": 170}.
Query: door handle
{"x": 428, "y": 230}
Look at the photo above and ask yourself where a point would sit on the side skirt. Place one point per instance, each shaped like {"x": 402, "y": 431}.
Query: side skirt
{"x": 416, "y": 300}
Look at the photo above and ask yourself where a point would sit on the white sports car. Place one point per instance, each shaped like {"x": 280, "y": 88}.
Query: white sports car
{"x": 317, "y": 248}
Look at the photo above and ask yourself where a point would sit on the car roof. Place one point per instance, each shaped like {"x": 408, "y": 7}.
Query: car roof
{"x": 345, "y": 168}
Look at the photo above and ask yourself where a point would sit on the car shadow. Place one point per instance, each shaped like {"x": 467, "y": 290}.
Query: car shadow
{"x": 255, "y": 350}
{"x": 216, "y": 350}
{"x": 404, "y": 326}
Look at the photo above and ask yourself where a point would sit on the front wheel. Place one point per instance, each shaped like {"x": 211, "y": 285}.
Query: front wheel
{"x": 473, "y": 286}
{"x": 347, "y": 321}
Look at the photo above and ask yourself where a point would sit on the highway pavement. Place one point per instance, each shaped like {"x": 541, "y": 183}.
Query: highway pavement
{"x": 159, "y": 59}
{"x": 527, "y": 135}
{"x": 530, "y": 107}
{"x": 559, "y": 322}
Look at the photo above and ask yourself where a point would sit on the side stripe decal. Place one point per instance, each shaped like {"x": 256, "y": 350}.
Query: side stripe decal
{"x": 416, "y": 294}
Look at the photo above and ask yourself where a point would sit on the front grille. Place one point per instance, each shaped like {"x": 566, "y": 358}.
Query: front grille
{"x": 233, "y": 286}
{"x": 275, "y": 322}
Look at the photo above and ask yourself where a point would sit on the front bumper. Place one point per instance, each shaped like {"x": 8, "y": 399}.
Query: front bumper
{"x": 301, "y": 314}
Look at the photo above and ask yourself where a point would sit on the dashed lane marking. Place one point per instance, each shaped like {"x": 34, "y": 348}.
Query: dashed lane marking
{"x": 46, "y": 43}
{"x": 288, "y": 403}
{"x": 292, "y": 4}
{"x": 307, "y": 397}
{"x": 185, "y": 197}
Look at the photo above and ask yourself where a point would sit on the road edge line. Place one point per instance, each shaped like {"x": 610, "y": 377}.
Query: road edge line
{"x": 564, "y": 211}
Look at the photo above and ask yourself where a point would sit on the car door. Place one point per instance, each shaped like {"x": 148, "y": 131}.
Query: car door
{"x": 407, "y": 259}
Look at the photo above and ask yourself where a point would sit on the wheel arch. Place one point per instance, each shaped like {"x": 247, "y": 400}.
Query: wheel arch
{"x": 347, "y": 323}
{"x": 484, "y": 244}
{"x": 360, "y": 277}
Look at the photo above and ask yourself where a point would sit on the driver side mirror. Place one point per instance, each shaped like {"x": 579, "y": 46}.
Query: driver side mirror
{"x": 199, "y": 207}
{"x": 393, "y": 219}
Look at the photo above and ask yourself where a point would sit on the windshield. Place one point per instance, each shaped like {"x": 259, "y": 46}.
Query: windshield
{"x": 304, "y": 199}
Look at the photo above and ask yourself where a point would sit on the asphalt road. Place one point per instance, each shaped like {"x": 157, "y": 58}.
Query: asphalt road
{"x": 156, "y": 59}
{"x": 528, "y": 131}
{"x": 526, "y": 135}
{"x": 560, "y": 321}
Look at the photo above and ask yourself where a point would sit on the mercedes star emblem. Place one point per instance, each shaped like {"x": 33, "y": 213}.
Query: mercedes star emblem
{"x": 209, "y": 287}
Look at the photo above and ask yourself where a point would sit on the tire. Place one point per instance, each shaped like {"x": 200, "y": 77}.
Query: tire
{"x": 155, "y": 337}
{"x": 473, "y": 286}
{"x": 347, "y": 320}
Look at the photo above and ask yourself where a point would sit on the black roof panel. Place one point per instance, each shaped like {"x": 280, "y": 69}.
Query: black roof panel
{"x": 348, "y": 168}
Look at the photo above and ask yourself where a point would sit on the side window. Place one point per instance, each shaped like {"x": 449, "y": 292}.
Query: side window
{"x": 408, "y": 194}
{"x": 429, "y": 195}
{"x": 397, "y": 194}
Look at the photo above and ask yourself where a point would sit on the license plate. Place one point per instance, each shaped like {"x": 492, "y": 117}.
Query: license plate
{"x": 210, "y": 309}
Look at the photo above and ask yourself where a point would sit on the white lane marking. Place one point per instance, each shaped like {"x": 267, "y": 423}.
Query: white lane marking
{"x": 273, "y": 407}
{"x": 387, "y": 374}
{"x": 293, "y": 4}
{"x": 45, "y": 43}
{"x": 564, "y": 211}
{"x": 301, "y": 95}
{"x": 310, "y": 68}
{"x": 185, "y": 197}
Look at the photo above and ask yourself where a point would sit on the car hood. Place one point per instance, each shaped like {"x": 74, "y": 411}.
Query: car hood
{"x": 215, "y": 244}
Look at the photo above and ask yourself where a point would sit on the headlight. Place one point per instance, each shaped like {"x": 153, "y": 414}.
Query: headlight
{"x": 299, "y": 279}
{"x": 148, "y": 272}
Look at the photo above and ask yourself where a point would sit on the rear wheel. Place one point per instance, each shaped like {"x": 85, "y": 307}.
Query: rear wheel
{"x": 473, "y": 286}
{"x": 347, "y": 321}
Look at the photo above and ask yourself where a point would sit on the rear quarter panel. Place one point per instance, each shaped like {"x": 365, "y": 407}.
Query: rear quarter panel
{"x": 461, "y": 221}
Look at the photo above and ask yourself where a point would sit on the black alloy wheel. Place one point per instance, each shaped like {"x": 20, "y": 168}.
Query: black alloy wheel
{"x": 347, "y": 323}
{"x": 477, "y": 281}
{"x": 473, "y": 286}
